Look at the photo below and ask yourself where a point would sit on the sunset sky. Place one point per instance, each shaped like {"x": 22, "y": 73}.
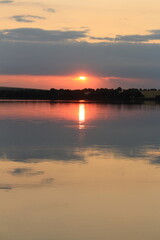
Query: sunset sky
{"x": 50, "y": 43}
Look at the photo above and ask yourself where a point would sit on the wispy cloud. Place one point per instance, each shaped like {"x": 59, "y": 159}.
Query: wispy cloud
{"x": 6, "y": 2}
{"x": 153, "y": 35}
{"x": 27, "y": 18}
{"x": 25, "y": 172}
{"x": 103, "y": 38}
{"x": 50, "y": 10}
{"x": 43, "y": 183}
{"x": 6, "y": 187}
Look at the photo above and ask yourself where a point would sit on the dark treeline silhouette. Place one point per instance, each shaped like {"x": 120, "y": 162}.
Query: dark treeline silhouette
{"x": 23, "y": 93}
{"x": 99, "y": 94}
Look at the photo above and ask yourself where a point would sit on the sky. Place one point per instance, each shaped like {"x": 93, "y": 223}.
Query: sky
{"x": 49, "y": 43}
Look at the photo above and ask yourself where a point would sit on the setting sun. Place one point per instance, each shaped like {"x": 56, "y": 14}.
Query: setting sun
{"x": 83, "y": 78}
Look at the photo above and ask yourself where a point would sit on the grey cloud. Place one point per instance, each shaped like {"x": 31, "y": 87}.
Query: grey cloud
{"x": 32, "y": 51}
{"x": 25, "y": 172}
{"x": 5, "y": 187}
{"x": 133, "y": 38}
{"x": 40, "y": 35}
{"x": 26, "y": 18}
{"x": 103, "y": 38}
{"x": 153, "y": 35}
{"x": 50, "y": 10}
{"x": 139, "y": 61}
{"x": 155, "y": 160}
{"x": 6, "y": 2}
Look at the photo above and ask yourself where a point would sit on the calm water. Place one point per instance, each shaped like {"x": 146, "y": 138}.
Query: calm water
{"x": 79, "y": 171}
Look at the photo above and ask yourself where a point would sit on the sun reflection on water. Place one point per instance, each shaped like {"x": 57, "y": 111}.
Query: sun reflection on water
{"x": 81, "y": 116}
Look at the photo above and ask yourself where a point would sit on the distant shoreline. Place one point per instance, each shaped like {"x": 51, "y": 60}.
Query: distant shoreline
{"x": 117, "y": 95}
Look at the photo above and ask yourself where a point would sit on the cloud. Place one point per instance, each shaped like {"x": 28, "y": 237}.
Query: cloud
{"x": 26, "y": 18}
{"x": 34, "y": 51}
{"x": 6, "y": 2}
{"x": 103, "y": 38}
{"x": 139, "y": 61}
{"x": 25, "y": 172}
{"x": 47, "y": 180}
{"x": 50, "y": 10}
{"x": 155, "y": 160}
{"x": 40, "y": 35}
{"x": 43, "y": 183}
{"x": 154, "y": 35}
{"x": 6, "y": 187}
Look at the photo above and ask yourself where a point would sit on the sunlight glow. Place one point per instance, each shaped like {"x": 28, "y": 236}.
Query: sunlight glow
{"x": 83, "y": 78}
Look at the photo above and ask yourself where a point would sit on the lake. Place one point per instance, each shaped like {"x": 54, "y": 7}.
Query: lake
{"x": 79, "y": 171}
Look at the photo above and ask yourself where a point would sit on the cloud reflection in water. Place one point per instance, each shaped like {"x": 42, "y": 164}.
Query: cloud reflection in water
{"x": 126, "y": 130}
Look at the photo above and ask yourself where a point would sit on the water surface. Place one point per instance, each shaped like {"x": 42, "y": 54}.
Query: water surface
{"x": 79, "y": 171}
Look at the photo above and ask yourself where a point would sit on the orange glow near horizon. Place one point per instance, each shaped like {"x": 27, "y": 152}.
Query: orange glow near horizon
{"x": 67, "y": 81}
{"x": 77, "y": 81}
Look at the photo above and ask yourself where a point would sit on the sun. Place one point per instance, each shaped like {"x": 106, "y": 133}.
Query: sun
{"x": 82, "y": 78}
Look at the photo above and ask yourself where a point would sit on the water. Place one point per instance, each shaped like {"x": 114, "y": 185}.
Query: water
{"x": 79, "y": 171}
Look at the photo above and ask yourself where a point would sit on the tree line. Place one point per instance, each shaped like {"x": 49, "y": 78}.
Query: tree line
{"x": 99, "y": 94}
